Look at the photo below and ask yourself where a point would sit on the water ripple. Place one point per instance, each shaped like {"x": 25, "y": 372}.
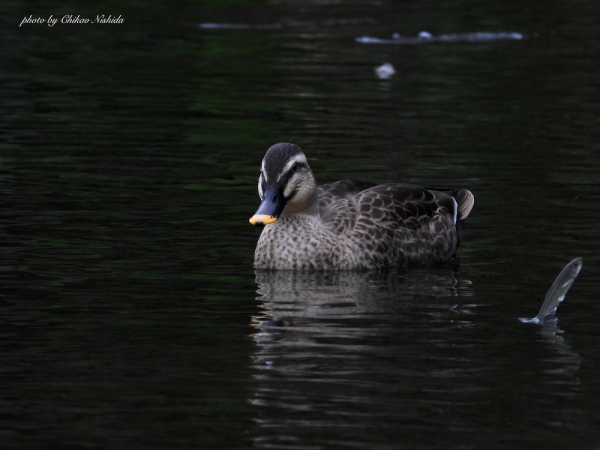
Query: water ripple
{"x": 425, "y": 38}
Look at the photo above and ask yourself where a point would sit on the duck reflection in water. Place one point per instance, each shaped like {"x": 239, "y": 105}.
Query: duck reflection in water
{"x": 289, "y": 297}
{"x": 339, "y": 353}
{"x": 327, "y": 341}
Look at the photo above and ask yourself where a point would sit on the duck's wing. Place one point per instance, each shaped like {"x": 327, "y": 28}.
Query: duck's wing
{"x": 393, "y": 222}
{"x": 331, "y": 192}
{"x": 337, "y": 204}
{"x": 397, "y": 202}
{"x": 344, "y": 206}
{"x": 388, "y": 207}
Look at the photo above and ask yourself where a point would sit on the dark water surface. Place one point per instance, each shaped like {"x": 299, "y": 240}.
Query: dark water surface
{"x": 131, "y": 316}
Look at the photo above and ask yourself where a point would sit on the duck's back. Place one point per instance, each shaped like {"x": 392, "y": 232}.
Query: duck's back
{"x": 394, "y": 224}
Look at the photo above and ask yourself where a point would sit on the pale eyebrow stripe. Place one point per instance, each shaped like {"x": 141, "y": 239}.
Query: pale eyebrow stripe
{"x": 296, "y": 159}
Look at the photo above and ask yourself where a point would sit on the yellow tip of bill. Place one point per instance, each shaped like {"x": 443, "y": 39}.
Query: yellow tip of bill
{"x": 262, "y": 219}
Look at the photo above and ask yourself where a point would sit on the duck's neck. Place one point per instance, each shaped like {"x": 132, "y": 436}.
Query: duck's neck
{"x": 311, "y": 210}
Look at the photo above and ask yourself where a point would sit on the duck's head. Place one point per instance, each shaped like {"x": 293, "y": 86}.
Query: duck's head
{"x": 286, "y": 185}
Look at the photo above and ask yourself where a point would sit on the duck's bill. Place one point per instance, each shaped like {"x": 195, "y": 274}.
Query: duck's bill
{"x": 271, "y": 207}
{"x": 262, "y": 219}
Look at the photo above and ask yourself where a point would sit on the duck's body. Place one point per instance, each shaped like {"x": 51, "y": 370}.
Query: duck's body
{"x": 350, "y": 224}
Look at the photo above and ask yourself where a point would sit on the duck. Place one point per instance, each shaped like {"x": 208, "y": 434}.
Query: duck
{"x": 351, "y": 224}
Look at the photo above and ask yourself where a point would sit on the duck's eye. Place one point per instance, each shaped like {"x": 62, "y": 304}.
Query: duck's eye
{"x": 295, "y": 168}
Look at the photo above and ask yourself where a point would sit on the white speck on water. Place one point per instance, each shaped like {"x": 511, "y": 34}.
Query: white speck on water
{"x": 385, "y": 71}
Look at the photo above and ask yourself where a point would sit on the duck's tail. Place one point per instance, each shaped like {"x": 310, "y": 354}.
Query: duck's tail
{"x": 463, "y": 201}
{"x": 463, "y": 197}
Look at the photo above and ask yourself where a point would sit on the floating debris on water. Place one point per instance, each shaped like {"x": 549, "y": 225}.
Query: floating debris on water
{"x": 425, "y": 37}
{"x": 385, "y": 71}
{"x": 557, "y": 293}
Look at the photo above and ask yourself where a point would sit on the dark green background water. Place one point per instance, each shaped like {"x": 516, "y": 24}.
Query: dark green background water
{"x": 130, "y": 314}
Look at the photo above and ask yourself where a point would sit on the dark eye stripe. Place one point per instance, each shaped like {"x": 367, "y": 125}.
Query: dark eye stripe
{"x": 290, "y": 173}
{"x": 295, "y": 168}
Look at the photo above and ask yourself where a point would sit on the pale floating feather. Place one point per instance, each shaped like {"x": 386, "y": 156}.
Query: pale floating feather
{"x": 557, "y": 292}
